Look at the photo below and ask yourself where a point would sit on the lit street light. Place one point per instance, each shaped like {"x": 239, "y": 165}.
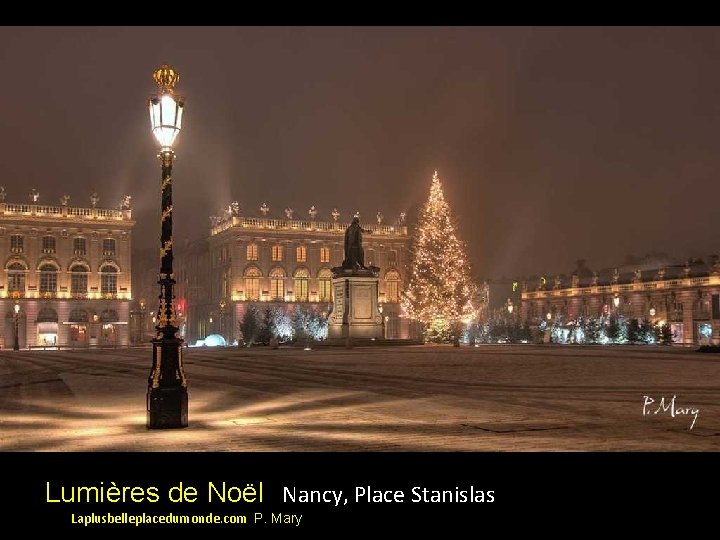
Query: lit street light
{"x": 222, "y": 318}
{"x": 167, "y": 399}
{"x": 16, "y": 345}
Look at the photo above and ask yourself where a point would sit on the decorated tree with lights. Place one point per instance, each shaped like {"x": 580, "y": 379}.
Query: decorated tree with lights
{"x": 440, "y": 292}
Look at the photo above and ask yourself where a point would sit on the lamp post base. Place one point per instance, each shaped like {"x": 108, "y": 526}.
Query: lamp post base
{"x": 167, "y": 408}
{"x": 167, "y": 397}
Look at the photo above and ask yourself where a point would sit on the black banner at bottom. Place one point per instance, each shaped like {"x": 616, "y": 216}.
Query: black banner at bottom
{"x": 353, "y": 492}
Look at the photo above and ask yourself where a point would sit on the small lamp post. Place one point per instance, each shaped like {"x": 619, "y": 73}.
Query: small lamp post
{"x": 16, "y": 345}
{"x": 222, "y": 318}
{"x": 167, "y": 399}
{"x": 141, "y": 337}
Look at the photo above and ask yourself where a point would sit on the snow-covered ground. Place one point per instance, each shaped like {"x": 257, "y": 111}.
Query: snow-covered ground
{"x": 503, "y": 397}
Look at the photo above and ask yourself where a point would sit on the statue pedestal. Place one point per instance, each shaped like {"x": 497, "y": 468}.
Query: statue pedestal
{"x": 355, "y": 312}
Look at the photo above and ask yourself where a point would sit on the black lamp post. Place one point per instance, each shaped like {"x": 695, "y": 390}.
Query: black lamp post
{"x": 16, "y": 345}
{"x": 167, "y": 399}
{"x": 141, "y": 334}
{"x": 222, "y": 318}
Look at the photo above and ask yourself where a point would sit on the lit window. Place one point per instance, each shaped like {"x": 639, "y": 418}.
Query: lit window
{"x": 277, "y": 253}
{"x": 79, "y": 246}
{"x": 16, "y": 280}
{"x": 301, "y": 253}
{"x": 277, "y": 284}
{"x": 252, "y": 283}
{"x": 108, "y": 280}
{"x": 392, "y": 286}
{"x": 48, "y": 279}
{"x": 301, "y": 285}
{"x": 252, "y": 252}
{"x": 325, "y": 255}
{"x": 108, "y": 246}
{"x": 325, "y": 284}
{"x": 16, "y": 243}
{"x": 79, "y": 279}
{"x": 48, "y": 244}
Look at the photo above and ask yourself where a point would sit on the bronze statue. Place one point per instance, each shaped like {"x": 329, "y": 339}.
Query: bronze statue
{"x": 354, "y": 254}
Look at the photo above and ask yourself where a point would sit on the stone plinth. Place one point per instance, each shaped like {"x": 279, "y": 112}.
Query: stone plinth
{"x": 355, "y": 313}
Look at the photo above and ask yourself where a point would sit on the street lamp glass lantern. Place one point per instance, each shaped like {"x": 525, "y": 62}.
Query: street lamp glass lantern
{"x": 166, "y": 118}
{"x": 17, "y": 309}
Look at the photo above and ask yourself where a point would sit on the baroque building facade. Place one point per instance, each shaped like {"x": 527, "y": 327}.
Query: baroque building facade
{"x": 685, "y": 296}
{"x": 67, "y": 269}
{"x": 280, "y": 262}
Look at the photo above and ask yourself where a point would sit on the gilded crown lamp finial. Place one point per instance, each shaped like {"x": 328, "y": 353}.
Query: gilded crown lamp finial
{"x": 166, "y": 78}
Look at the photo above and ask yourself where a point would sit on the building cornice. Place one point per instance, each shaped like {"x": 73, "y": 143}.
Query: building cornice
{"x": 265, "y": 225}
{"x": 643, "y": 286}
{"x": 63, "y": 214}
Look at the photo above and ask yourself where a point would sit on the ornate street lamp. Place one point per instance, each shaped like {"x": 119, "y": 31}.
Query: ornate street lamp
{"x": 16, "y": 345}
{"x": 167, "y": 399}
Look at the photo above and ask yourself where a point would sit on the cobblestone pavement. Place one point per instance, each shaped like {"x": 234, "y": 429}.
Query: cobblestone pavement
{"x": 505, "y": 397}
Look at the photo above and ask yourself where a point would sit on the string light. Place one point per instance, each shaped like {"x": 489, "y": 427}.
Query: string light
{"x": 440, "y": 292}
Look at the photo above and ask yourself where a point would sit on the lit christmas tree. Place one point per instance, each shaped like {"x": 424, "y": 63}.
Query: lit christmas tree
{"x": 440, "y": 293}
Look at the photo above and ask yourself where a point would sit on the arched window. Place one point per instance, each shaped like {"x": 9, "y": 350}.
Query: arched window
{"x": 251, "y": 253}
{"x": 252, "y": 283}
{"x": 301, "y": 254}
{"x": 109, "y": 316}
{"x": 277, "y": 284}
{"x": 16, "y": 280}
{"x": 47, "y": 314}
{"x": 78, "y": 316}
{"x": 277, "y": 253}
{"x": 392, "y": 286}
{"x": 79, "y": 279}
{"x": 48, "y": 279}
{"x": 301, "y": 285}
{"x": 325, "y": 284}
{"x": 369, "y": 256}
{"x": 108, "y": 280}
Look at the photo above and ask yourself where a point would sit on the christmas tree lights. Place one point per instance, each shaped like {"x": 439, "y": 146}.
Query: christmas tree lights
{"x": 440, "y": 292}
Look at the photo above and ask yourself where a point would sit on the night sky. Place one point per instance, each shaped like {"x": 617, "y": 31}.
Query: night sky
{"x": 553, "y": 144}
